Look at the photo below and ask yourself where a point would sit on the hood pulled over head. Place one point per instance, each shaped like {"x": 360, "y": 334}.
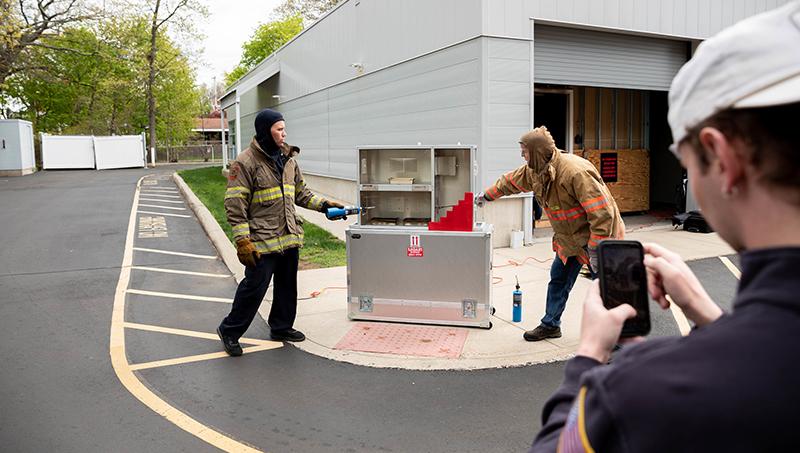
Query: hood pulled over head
{"x": 541, "y": 148}
{"x": 264, "y": 121}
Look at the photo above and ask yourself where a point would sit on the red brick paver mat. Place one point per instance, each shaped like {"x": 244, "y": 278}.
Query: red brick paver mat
{"x": 403, "y": 339}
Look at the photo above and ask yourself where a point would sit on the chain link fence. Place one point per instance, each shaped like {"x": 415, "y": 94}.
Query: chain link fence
{"x": 207, "y": 151}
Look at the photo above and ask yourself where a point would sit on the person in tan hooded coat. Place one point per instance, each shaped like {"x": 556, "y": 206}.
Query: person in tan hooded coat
{"x": 581, "y": 210}
{"x": 264, "y": 185}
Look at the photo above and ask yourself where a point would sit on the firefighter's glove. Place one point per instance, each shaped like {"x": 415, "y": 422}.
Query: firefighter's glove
{"x": 480, "y": 200}
{"x": 330, "y": 204}
{"x": 247, "y": 253}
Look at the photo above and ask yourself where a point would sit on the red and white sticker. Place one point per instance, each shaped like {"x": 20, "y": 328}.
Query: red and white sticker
{"x": 415, "y": 250}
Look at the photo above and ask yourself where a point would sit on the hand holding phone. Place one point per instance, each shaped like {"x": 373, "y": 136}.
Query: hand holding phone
{"x": 623, "y": 280}
{"x": 669, "y": 275}
{"x": 600, "y": 326}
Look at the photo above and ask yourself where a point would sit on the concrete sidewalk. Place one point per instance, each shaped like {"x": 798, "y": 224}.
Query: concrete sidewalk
{"x": 322, "y": 294}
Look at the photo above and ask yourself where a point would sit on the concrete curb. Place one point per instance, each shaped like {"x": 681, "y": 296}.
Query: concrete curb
{"x": 416, "y": 363}
{"x": 218, "y": 237}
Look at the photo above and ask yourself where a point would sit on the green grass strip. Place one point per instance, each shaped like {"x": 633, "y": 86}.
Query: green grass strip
{"x": 320, "y": 249}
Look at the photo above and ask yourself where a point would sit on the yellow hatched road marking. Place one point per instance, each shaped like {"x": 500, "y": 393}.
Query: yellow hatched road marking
{"x": 175, "y": 271}
{"x": 193, "y": 333}
{"x": 731, "y": 267}
{"x": 164, "y": 213}
{"x": 198, "y": 358}
{"x": 123, "y": 369}
{"x": 162, "y": 207}
{"x": 179, "y": 296}
{"x": 167, "y": 252}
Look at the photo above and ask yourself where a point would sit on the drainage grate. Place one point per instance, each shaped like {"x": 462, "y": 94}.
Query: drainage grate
{"x": 405, "y": 340}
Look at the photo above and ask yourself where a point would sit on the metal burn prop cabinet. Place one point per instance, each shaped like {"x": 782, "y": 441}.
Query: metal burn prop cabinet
{"x": 417, "y": 255}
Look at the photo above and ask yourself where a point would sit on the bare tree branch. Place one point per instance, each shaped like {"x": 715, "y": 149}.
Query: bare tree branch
{"x": 22, "y": 10}
{"x": 180, "y": 5}
{"x": 64, "y": 49}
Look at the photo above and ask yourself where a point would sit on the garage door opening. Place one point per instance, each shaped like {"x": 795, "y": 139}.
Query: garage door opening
{"x": 551, "y": 108}
{"x": 625, "y": 133}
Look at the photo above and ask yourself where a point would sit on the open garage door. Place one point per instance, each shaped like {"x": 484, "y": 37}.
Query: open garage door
{"x": 569, "y": 56}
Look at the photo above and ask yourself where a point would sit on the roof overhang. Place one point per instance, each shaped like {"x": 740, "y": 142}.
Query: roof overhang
{"x": 268, "y": 68}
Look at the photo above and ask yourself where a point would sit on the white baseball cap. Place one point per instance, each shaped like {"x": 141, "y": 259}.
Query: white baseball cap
{"x": 754, "y": 63}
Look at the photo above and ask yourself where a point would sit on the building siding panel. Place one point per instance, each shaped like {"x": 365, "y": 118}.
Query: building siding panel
{"x": 681, "y": 18}
{"x": 508, "y": 105}
{"x": 433, "y": 99}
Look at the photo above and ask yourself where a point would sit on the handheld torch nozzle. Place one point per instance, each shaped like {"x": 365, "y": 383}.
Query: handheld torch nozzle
{"x": 342, "y": 213}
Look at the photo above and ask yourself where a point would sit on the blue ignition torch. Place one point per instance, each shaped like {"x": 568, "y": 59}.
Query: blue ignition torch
{"x": 342, "y": 213}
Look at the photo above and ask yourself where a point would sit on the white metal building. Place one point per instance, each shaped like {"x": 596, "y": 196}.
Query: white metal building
{"x": 481, "y": 72}
{"x": 16, "y": 148}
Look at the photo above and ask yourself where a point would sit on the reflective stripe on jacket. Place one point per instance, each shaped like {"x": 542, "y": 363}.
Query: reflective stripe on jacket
{"x": 578, "y": 203}
{"x": 259, "y": 206}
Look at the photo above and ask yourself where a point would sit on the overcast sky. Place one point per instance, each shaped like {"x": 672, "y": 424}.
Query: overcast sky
{"x": 229, "y": 24}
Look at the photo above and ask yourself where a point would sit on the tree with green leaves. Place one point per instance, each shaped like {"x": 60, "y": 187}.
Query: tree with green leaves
{"x": 309, "y": 10}
{"x": 163, "y": 12}
{"x": 26, "y": 25}
{"x": 103, "y": 94}
{"x": 267, "y": 39}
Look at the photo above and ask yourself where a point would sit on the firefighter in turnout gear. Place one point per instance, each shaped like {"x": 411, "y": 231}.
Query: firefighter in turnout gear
{"x": 581, "y": 210}
{"x": 264, "y": 184}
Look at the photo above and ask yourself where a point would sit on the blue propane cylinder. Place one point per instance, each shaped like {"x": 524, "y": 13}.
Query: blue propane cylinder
{"x": 517, "y": 308}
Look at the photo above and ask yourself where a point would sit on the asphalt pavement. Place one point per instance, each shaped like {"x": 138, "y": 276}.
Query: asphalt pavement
{"x": 64, "y": 238}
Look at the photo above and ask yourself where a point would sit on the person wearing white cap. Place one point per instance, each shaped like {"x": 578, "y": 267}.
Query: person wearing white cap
{"x": 731, "y": 383}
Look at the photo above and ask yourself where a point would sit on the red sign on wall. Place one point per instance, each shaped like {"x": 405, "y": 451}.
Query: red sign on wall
{"x": 609, "y": 167}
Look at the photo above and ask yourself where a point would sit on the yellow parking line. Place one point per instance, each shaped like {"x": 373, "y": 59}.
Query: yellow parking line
{"x": 731, "y": 267}
{"x": 683, "y": 324}
{"x": 179, "y": 296}
{"x": 176, "y": 271}
{"x": 199, "y": 357}
{"x": 193, "y": 333}
{"x": 168, "y": 252}
{"x": 123, "y": 369}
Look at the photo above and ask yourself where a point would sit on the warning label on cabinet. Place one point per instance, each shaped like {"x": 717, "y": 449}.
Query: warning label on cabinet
{"x": 415, "y": 250}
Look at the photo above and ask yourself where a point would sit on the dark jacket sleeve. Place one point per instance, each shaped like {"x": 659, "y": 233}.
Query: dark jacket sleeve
{"x": 557, "y": 408}
{"x": 578, "y": 418}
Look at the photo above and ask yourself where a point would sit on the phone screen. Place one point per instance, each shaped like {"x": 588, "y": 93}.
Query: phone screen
{"x": 623, "y": 280}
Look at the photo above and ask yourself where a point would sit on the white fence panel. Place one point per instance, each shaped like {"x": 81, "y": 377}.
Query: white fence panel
{"x": 119, "y": 151}
{"x": 67, "y": 152}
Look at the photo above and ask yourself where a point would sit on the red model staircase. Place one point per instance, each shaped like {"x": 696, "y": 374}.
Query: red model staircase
{"x": 459, "y": 218}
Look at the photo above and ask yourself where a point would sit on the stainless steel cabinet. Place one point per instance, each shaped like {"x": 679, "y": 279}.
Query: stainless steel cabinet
{"x": 431, "y": 277}
{"x": 398, "y": 270}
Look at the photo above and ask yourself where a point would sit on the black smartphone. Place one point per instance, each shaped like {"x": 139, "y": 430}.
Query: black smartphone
{"x": 623, "y": 280}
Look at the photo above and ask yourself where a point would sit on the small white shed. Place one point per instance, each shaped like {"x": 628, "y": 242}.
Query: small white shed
{"x": 16, "y": 148}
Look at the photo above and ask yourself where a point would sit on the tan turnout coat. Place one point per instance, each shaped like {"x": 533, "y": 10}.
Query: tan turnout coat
{"x": 579, "y": 205}
{"x": 260, "y": 207}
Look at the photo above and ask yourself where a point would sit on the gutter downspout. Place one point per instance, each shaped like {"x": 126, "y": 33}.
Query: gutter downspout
{"x": 222, "y": 128}
{"x": 238, "y": 126}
